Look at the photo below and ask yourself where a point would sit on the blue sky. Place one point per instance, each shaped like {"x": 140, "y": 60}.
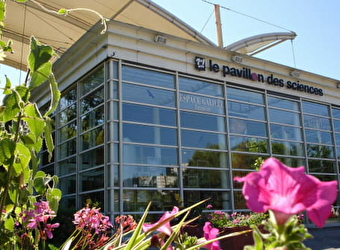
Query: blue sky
{"x": 316, "y": 24}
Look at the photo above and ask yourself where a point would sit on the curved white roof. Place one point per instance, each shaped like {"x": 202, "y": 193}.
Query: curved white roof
{"x": 26, "y": 19}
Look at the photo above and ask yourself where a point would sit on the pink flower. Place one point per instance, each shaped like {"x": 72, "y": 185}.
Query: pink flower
{"x": 210, "y": 233}
{"x": 165, "y": 228}
{"x": 209, "y": 206}
{"x": 288, "y": 191}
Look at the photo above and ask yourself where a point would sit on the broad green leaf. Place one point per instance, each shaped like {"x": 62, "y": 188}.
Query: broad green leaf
{"x": 13, "y": 192}
{"x": 9, "y": 208}
{"x": 22, "y": 158}
{"x": 39, "y": 182}
{"x": 54, "y": 196}
{"x": 23, "y": 92}
{"x": 40, "y": 75}
{"x": 7, "y": 149}
{"x": 23, "y": 196}
{"x": 2, "y": 10}
{"x": 34, "y": 120}
{"x": 48, "y": 137}
{"x": 39, "y": 55}
{"x": 55, "y": 95}
{"x": 8, "y": 86}
{"x": 9, "y": 224}
{"x": 11, "y": 104}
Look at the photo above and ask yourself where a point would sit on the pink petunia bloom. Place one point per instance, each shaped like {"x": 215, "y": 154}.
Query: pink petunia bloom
{"x": 287, "y": 191}
{"x": 210, "y": 233}
{"x": 165, "y": 228}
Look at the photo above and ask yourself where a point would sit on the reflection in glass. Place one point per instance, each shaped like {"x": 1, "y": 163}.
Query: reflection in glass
{"x": 67, "y": 114}
{"x": 68, "y": 97}
{"x": 204, "y": 158}
{"x": 315, "y": 108}
{"x": 201, "y": 103}
{"x": 248, "y": 144}
{"x": 203, "y": 140}
{"x": 285, "y": 132}
{"x": 315, "y": 136}
{"x": 200, "y": 87}
{"x": 152, "y": 115}
{"x": 92, "y": 138}
{"x": 319, "y": 151}
{"x": 68, "y": 184}
{"x": 202, "y": 121}
{"x": 148, "y": 95}
{"x": 318, "y": 166}
{"x": 218, "y": 200}
{"x": 162, "y": 200}
{"x": 239, "y": 201}
{"x": 91, "y": 180}
{"x": 246, "y": 110}
{"x": 284, "y": 117}
{"x": 95, "y": 197}
{"x": 291, "y": 162}
{"x": 244, "y": 95}
{"x": 92, "y": 100}
{"x": 336, "y": 125}
{"x": 149, "y": 134}
{"x": 148, "y": 77}
{"x": 201, "y": 178}
{"x": 149, "y": 155}
{"x": 68, "y": 131}
{"x": 67, "y": 149}
{"x": 245, "y": 127}
{"x": 144, "y": 176}
{"x": 244, "y": 161}
{"x": 92, "y": 158}
{"x": 336, "y": 113}
{"x": 283, "y": 103}
{"x": 93, "y": 118}
{"x": 92, "y": 81}
{"x": 287, "y": 148}
{"x": 316, "y": 122}
{"x": 67, "y": 166}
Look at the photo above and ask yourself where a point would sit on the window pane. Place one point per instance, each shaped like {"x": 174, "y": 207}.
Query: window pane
{"x": 68, "y": 148}
{"x": 318, "y": 137}
{"x": 319, "y": 151}
{"x": 149, "y": 77}
{"x": 248, "y": 144}
{"x": 149, "y": 134}
{"x": 218, "y": 200}
{"x": 93, "y": 119}
{"x": 285, "y": 132}
{"x": 336, "y": 125}
{"x": 152, "y": 115}
{"x": 92, "y": 138}
{"x": 245, "y": 127}
{"x": 244, "y": 161}
{"x": 337, "y": 139}
{"x": 92, "y": 158}
{"x": 68, "y": 131}
{"x": 138, "y": 200}
{"x": 321, "y": 166}
{"x": 284, "y": 117}
{"x": 143, "y": 176}
{"x": 316, "y": 122}
{"x": 92, "y": 100}
{"x": 92, "y": 81}
{"x": 149, "y": 155}
{"x": 67, "y": 166}
{"x": 91, "y": 180}
{"x": 95, "y": 197}
{"x": 244, "y": 95}
{"x": 315, "y": 108}
{"x": 201, "y": 178}
{"x": 287, "y": 148}
{"x": 204, "y": 158}
{"x": 68, "y": 98}
{"x": 203, "y": 140}
{"x": 67, "y": 114}
{"x": 201, "y": 103}
{"x": 283, "y": 103}
{"x": 201, "y": 121}
{"x": 68, "y": 184}
{"x": 336, "y": 113}
{"x": 148, "y": 95}
{"x": 200, "y": 87}
{"x": 292, "y": 162}
{"x": 246, "y": 110}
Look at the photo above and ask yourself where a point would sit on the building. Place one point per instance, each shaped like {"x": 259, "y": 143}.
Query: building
{"x": 148, "y": 115}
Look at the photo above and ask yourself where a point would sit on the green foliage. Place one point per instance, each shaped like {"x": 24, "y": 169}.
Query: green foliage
{"x": 23, "y": 130}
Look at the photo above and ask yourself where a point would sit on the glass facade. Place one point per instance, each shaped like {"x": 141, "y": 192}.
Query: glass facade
{"x": 126, "y": 135}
